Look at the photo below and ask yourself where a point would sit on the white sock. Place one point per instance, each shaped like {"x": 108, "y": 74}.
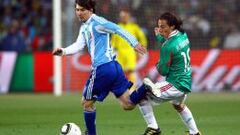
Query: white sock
{"x": 188, "y": 119}
{"x": 147, "y": 111}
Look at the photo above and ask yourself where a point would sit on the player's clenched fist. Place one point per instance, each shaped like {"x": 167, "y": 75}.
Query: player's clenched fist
{"x": 156, "y": 31}
{"x": 58, "y": 51}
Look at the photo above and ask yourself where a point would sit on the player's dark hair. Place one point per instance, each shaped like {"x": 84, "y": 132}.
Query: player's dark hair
{"x": 87, "y": 4}
{"x": 125, "y": 9}
{"x": 172, "y": 20}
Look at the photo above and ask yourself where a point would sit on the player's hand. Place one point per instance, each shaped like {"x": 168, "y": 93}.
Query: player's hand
{"x": 58, "y": 52}
{"x": 140, "y": 49}
{"x": 156, "y": 31}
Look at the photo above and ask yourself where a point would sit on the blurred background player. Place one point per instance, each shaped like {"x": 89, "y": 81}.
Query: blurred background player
{"x": 174, "y": 63}
{"x": 126, "y": 55}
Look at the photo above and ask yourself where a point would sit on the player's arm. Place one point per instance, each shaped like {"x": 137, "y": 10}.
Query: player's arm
{"x": 164, "y": 62}
{"x": 113, "y": 28}
{"x": 77, "y": 46}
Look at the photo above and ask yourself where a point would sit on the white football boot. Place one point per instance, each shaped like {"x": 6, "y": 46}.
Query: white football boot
{"x": 155, "y": 90}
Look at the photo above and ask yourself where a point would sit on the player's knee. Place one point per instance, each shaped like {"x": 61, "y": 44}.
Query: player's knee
{"x": 125, "y": 102}
{"x": 179, "y": 107}
{"x": 128, "y": 107}
{"x": 88, "y": 105}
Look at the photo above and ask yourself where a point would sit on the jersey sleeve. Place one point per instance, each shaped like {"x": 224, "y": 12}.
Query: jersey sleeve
{"x": 165, "y": 61}
{"x": 77, "y": 46}
{"x": 113, "y": 28}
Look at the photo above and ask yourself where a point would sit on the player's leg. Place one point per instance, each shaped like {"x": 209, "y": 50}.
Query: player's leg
{"x": 164, "y": 91}
{"x": 146, "y": 108}
{"x": 129, "y": 99}
{"x": 147, "y": 112}
{"x": 89, "y": 117}
{"x": 124, "y": 101}
{"x": 96, "y": 89}
{"x": 120, "y": 87}
{"x": 186, "y": 115}
{"x": 89, "y": 110}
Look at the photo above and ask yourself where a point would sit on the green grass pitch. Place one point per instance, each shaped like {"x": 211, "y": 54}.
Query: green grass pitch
{"x": 28, "y": 114}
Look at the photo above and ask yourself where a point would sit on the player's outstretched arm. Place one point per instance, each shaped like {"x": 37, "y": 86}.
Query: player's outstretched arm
{"x": 110, "y": 27}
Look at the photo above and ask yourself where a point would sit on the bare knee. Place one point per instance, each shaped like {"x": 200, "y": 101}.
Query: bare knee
{"x": 179, "y": 107}
{"x": 125, "y": 102}
{"x": 88, "y": 105}
{"x": 128, "y": 107}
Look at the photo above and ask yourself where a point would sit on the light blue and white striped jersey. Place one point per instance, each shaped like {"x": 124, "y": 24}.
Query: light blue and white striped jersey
{"x": 95, "y": 33}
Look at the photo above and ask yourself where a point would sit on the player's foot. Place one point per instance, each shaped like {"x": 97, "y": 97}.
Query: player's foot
{"x": 151, "y": 87}
{"x": 193, "y": 134}
{"x": 152, "y": 131}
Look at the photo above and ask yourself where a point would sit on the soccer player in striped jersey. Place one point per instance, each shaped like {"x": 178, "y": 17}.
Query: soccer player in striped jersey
{"x": 107, "y": 74}
{"x": 174, "y": 64}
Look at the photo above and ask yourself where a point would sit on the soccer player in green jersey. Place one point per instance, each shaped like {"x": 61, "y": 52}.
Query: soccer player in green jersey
{"x": 174, "y": 64}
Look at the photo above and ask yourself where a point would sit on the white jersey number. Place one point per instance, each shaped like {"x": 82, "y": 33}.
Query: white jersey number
{"x": 186, "y": 58}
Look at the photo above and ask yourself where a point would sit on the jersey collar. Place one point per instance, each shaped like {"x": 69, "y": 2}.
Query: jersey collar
{"x": 173, "y": 33}
{"x": 89, "y": 19}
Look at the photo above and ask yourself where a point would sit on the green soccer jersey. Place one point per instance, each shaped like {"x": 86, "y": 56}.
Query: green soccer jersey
{"x": 174, "y": 60}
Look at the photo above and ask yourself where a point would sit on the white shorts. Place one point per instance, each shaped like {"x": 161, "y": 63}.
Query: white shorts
{"x": 168, "y": 94}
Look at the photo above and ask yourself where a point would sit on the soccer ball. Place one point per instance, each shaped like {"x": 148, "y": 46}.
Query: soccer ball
{"x": 70, "y": 129}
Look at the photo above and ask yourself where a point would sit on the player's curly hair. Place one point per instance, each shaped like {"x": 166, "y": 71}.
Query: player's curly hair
{"x": 172, "y": 20}
{"x": 87, "y": 4}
